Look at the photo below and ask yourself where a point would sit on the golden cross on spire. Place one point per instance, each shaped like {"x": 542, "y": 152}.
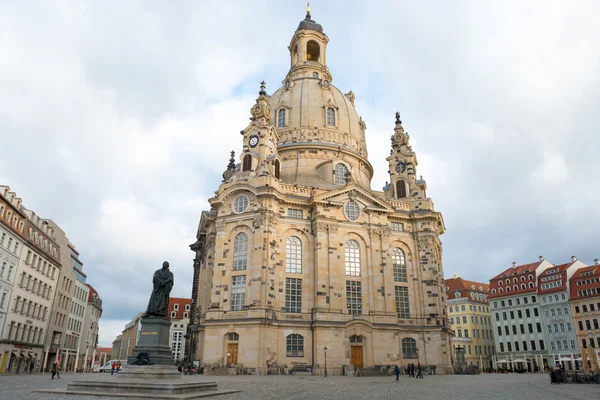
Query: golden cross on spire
{"x": 308, "y": 10}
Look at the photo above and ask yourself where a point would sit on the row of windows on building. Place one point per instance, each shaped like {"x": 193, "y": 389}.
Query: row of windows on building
{"x": 517, "y": 302}
{"x": 478, "y": 350}
{"x": 519, "y": 314}
{"x": 474, "y": 320}
{"x": 585, "y": 307}
{"x": 25, "y": 333}
{"x": 550, "y": 298}
{"x": 33, "y": 285}
{"x": 11, "y": 245}
{"x": 293, "y": 296}
{"x": 40, "y": 264}
{"x": 562, "y": 345}
{"x": 77, "y": 309}
{"x": 293, "y": 251}
{"x": 176, "y": 307}
{"x": 477, "y": 333}
{"x": 593, "y": 343}
{"x": 472, "y": 307}
{"x": 521, "y": 329}
{"x": 330, "y": 116}
{"x": 30, "y": 308}
{"x": 177, "y": 344}
{"x": 515, "y": 288}
{"x": 560, "y": 327}
{"x": 551, "y": 285}
{"x": 588, "y": 324}
{"x": 81, "y": 294}
{"x": 588, "y": 281}
{"x": 556, "y": 312}
{"x": 588, "y": 292}
{"x": 59, "y": 318}
{"x": 6, "y": 269}
{"x": 174, "y": 314}
{"x": 509, "y": 346}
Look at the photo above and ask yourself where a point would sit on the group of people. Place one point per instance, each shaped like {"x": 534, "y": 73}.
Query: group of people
{"x": 557, "y": 374}
{"x": 115, "y": 366}
{"x": 410, "y": 371}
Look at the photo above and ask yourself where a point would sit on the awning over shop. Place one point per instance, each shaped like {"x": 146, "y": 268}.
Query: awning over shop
{"x": 15, "y": 354}
{"x": 519, "y": 360}
{"x": 501, "y": 361}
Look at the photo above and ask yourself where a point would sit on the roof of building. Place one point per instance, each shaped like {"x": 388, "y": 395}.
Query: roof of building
{"x": 104, "y": 350}
{"x": 474, "y": 291}
{"x": 517, "y": 270}
{"x": 518, "y": 279}
{"x": 559, "y": 272}
{"x": 92, "y": 293}
{"x": 585, "y": 283}
{"x": 181, "y": 309}
{"x": 308, "y": 24}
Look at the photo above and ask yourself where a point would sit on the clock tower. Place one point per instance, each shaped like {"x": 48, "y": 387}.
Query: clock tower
{"x": 259, "y": 155}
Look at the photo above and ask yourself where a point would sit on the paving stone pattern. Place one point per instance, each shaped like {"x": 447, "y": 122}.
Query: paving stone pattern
{"x": 492, "y": 386}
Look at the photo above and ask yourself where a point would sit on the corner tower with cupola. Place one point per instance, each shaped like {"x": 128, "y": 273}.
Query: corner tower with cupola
{"x": 298, "y": 253}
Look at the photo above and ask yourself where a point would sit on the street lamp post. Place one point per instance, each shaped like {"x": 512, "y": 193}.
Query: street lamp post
{"x": 418, "y": 359}
{"x": 325, "y": 351}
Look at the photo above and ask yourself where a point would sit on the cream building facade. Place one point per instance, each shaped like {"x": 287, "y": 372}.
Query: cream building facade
{"x": 297, "y": 253}
{"x": 469, "y": 317}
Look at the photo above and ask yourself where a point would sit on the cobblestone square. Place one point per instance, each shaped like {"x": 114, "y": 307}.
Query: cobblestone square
{"x": 492, "y": 386}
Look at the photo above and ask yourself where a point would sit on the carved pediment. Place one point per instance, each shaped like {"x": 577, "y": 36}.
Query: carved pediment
{"x": 351, "y": 191}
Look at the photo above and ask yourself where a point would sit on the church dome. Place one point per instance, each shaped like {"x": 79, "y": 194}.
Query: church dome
{"x": 313, "y": 104}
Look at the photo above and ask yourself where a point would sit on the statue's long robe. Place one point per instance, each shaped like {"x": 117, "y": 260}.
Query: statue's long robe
{"x": 159, "y": 300}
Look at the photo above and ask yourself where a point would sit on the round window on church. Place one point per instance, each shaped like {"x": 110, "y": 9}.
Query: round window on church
{"x": 240, "y": 204}
{"x": 352, "y": 210}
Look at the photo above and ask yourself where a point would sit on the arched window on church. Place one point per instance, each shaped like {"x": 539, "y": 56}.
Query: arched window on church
{"x": 293, "y": 255}
{"x": 330, "y": 116}
{"x": 339, "y": 174}
{"x": 313, "y": 51}
{"x": 240, "y": 252}
{"x": 400, "y": 189}
{"x": 352, "y": 258}
{"x": 277, "y": 169}
{"x": 294, "y": 345}
{"x": 409, "y": 348}
{"x": 247, "y": 164}
{"x": 281, "y": 118}
{"x": 399, "y": 265}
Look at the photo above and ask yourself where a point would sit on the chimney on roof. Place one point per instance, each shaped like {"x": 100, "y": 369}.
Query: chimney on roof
{"x": 541, "y": 258}
{"x": 573, "y": 258}
{"x": 514, "y": 264}
{"x": 456, "y": 276}
{"x": 596, "y": 261}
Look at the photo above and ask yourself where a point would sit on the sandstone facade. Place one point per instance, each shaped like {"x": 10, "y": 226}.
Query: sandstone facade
{"x": 298, "y": 253}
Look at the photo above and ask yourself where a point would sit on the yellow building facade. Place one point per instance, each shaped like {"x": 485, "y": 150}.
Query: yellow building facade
{"x": 469, "y": 317}
{"x": 297, "y": 253}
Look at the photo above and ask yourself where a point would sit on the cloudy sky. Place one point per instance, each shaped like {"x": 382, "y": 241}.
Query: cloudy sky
{"x": 117, "y": 118}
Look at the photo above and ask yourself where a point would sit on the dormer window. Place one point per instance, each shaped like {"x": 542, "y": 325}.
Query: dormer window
{"x": 173, "y": 314}
{"x": 187, "y": 307}
{"x": 281, "y": 118}
{"x": 330, "y": 116}
{"x": 185, "y": 315}
{"x": 339, "y": 174}
{"x": 176, "y": 307}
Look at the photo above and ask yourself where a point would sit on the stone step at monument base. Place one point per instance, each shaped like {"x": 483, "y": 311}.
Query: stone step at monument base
{"x": 149, "y": 372}
{"x": 142, "y": 389}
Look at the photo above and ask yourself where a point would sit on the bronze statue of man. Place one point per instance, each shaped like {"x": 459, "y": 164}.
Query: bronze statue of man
{"x": 159, "y": 300}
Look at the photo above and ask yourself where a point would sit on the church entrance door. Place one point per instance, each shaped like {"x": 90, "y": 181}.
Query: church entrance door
{"x": 356, "y": 356}
{"x": 232, "y": 353}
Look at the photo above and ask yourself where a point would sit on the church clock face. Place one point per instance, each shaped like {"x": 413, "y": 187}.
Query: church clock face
{"x": 253, "y": 141}
{"x": 401, "y": 167}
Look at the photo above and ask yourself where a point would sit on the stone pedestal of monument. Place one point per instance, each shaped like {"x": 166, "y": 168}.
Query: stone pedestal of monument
{"x": 153, "y": 342}
{"x": 159, "y": 379}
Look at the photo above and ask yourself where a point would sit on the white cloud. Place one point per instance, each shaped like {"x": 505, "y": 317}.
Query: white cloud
{"x": 120, "y": 117}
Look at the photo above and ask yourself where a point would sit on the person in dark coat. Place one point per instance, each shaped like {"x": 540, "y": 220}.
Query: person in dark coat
{"x": 397, "y": 372}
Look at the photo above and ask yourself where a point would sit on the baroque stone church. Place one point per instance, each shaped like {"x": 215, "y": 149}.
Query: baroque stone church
{"x": 298, "y": 254}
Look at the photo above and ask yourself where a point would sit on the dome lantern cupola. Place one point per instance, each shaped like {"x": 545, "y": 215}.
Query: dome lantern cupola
{"x": 308, "y": 50}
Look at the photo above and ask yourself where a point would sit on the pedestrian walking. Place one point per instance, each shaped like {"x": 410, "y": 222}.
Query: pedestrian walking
{"x": 112, "y": 368}
{"x": 118, "y": 367}
{"x": 31, "y": 365}
{"x": 419, "y": 371}
{"x": 53, "y": 370}
{"x": 411, "y": 369}
{"x": 397, "y": 372}
{"x": 58, "y": 369}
